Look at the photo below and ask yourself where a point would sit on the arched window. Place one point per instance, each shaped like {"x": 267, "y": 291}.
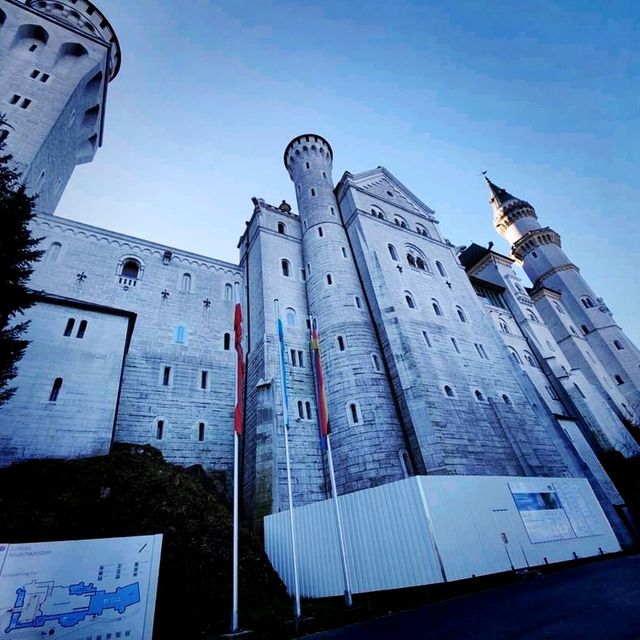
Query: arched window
{"x": 504, "y": 327}
{"x": 448, "y": 391}
{"x": 227, "y": 342}
{"x": 422, "y": 231}
{"x": 409, "y": 300}
{"x": 436, "y": 307}
{"x": 392, "y": 252}
{"x": 479, "y": 396}
{"x": 441, "y": 269}
{"x": 159, "y": 429}
{"x": 53, "y": 251}
{"x": 282, "y": 227}
{"x": 201, "y": 427}
{"x": 329, "y": 279}
{"x": 185, "y": 284}
{"x": 130, "y": 269}
{"x": 291, "y": 316}
{"x": 559, "y": 309}
{"x": 353, "y": 413}
{"x": 515, "y": 355}
{"x": 506, "y": 399}
{"x": 618, "y": 345}
{"x": 411, "y": 260}
{"x": 307, "y": 407}
{"x": 286, "y": 268}
{"x": 180, "y": 334}
{"x": 587, "y": 302}
{"x": 300, "y": 410}
{"x": 405, "y": 463}
{"x": 82, "y": 329}
{"x": 358, "y": 302}
{"x": 530, "y": 360}
{"x": 377, "y": 212}
{"x": 69, "y": 328}
{"x": 551, "y": 347}
{"x": 618, "y": 379}
{"x": 375, "y": 362}
{"x": 532, "y": 316}
{"x": 55, "y": 390}
{"x": 461, "y": 315}
{"x": 341, "y": 343}
{"x": 401, "y": 222}
{"x": 420, "y": 264}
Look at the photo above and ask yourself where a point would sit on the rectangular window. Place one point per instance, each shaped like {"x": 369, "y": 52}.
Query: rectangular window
{"x": 44, "y": 77}
{"x": 25, "y": 103}
{"x": 14, "y": 99}
{"x": 204, "y": 379}
{"x": 201, "y": 432}
{"x": 455, "y": 345}
{"x": 159, "y": 429}
{"x": 303, "y": 275}
{"x": 300, "y": 359}
{"x": 34, "y": 74}
{"x": 427, "y": 339}
{"x": 166, "y": 376}
{"x": 297, "y": 358}
{"x": 552, "y": 393}
{"x": 481, "y": 352}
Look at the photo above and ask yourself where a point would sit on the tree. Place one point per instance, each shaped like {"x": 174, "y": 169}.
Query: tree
{"x": 17, "y": 254}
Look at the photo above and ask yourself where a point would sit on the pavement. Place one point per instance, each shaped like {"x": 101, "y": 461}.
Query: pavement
{"x": 596, "y": 601}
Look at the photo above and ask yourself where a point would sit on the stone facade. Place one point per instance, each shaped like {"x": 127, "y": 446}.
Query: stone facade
{"x": 437, "y": 360}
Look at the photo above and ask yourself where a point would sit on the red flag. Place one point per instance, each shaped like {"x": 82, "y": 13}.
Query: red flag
{"x": 323, "y": 413}
{"x": 238, "y": 416}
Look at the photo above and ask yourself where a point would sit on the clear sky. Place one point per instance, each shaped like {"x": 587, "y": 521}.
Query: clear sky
{"x": 541, "y": 94}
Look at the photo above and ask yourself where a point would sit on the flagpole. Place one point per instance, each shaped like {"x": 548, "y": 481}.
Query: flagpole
{"x": 236, "y": 456}
{"x": 334, "y": 492}
{"x": 285, "y": 420}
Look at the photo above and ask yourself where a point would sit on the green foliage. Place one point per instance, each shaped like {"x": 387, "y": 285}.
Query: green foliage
{"x": 17, "y": 254}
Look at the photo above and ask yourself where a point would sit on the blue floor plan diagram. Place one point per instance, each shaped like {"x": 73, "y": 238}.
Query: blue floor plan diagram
{"x": 39, "y": 603}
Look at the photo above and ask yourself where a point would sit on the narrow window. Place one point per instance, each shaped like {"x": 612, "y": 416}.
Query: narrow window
{"x": 301, "y": 358}
{"x": 186, "y": 282}
{"x": 228, "y": 292}
{"x": 618, "y": 345}
{"x": 4, "y": 134}
{"x": 204, "y": 379}
{"x": 358, "y": 302}
{"x": 227, "y": 341}
{"x": 420, "y": 263}
{"x": 375, "y": 361}
{"x": 552, "y": 393}
{"x": 479, "y": 396}
{"x": 411, "y": 260}
{"x": 291, "y": 316}
{"x": 455, "y": 345}
{"x": 307, "y": 408}
{"x": 427, "y": 339}
{"x": 481, "y": 352}
{"x": 558, "y": 308}
{"x": 34, "y": 74}
{"x": 505, "y": 399}
{"x": 159, "y": 429}
{"x": 200, "y": 431}
{"x": 344, "y": 252}
{"x": 306, "y": 164}
{"x": 281, "y": 228}
{"x": 333, "y": 211}
{"x": 81, "y": 329}
{"x": 25, "y": 103}
{"x": 166, "y": 376}
{"x": 300, "y": 410}
{"x": 504, "y": 327}
{"x": 405, "y": 463}
{"x": 515, "y": 355}
{"x": 448, "y": 391}
{"x": 354, "y": 413}
{"x": 440, "y": 268}
{"x": 313, "y": 192}
{"x": 530, "y": 361}
{"x": 14, "y": 99}
{"x": 44, "y": 77}
{"x": 341, "y": 343}
{"x": 575, "y": 333}
{"x": 33, "y": 47}
{"x": 618, "y": 379}
{"x": 180, "y": 334}
{"x": 587, "y": 302}
{"x": 324, "y": 175}
{"x": 551, "y": 347}
{"x": 532, "y": 316}
{"x": 436, "y": 308}
{"x": 461, "y": 315}
{"x": 55, "y": 390}
{"x": 303, "y": 275}
{"x": 392, "y": 252}
{"x": 409, "y": 300}
{"x": 308, "y": 269}
{"x": 286, "y": 268}
{"x": 329, "y": 279}
{"x": 69, "y": 328}
{"x": 584, "y": 328}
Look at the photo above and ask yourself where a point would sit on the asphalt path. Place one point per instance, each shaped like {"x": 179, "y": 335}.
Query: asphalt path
{"x": 597, "y": 601}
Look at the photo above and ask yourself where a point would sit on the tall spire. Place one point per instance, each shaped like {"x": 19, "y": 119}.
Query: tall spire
{"x": 498, "y": 195}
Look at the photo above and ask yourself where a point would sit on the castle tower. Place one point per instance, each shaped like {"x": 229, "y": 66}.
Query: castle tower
{"x": 56, "y": 61}
{"x": 366, "y": 432}
{"x": 581, "y": 323}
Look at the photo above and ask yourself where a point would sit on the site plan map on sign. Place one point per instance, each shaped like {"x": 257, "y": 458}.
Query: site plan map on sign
{"x": 79, "y": 590}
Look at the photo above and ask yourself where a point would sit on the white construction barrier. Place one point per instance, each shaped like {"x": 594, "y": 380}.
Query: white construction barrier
{"x": 429, "y": 529}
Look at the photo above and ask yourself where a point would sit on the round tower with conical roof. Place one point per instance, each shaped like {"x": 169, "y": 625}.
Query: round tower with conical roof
{"x": 581, "y": 322}
{"x": 366, "y": 431}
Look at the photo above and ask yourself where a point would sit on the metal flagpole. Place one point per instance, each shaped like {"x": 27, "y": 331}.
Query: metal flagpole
{"x": 334, "y": 492}
{"x": 285, "y": 419}
{"x": 236, "y": 456}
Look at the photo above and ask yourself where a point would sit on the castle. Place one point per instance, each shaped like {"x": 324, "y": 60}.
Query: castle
{"x": 438, "y": 359}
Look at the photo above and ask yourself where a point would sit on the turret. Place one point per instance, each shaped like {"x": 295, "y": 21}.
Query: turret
{"x": 57, "y": 59}
{"x": 366, "y": 431}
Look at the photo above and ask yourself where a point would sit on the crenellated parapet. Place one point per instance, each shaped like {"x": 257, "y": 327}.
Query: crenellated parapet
{"x": 533, "y": 240}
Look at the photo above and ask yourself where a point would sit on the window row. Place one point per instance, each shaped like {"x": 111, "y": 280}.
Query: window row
{"x": 202, "y": 380}
{"x": 180, "y": 337}
{"x": 161, "y": 429}
{"x": 479, "y": 347}
{"x": 416, "y": 259}
{"x": 435, "y": 305}
{"x": 479, "y": 396}
{"x": 530, "y": 360}
{"x": 377, "y": 212}
{"x": 68, "y": 329}
{"x": 20, "y": 101}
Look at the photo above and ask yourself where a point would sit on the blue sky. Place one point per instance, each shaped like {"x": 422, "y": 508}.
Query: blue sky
{"x": 543, "y": 95}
